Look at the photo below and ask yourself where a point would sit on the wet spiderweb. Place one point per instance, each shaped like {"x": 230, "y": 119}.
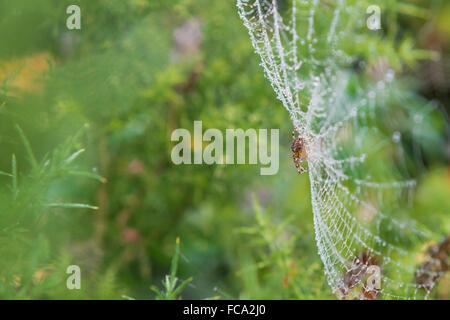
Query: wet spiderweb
{"x": 361, "y": 190}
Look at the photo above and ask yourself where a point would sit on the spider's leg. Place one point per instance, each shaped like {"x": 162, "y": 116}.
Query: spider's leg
{"x": 303, "y": 170}
{"x": 297, "y": 164}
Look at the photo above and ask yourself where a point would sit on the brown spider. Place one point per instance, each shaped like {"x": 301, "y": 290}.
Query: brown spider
{"x": 298, "y": 148}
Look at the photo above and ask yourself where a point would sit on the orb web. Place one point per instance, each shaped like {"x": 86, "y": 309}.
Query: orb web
{"x": 361, "y": 198}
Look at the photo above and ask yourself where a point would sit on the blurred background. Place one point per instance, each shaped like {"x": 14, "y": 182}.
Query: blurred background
{"x": 85, "y": 170}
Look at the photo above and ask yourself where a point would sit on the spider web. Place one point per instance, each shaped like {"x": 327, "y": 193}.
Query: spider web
{"x": 360, "y": 198}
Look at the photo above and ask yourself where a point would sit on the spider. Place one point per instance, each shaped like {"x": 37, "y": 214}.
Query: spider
{"x": 298, "y": 148}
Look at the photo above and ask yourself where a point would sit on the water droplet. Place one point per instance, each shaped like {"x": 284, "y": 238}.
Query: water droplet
{"x": 396, "y": 137}
{"x": 390, "y": 75}
{"x": 418, "y": 118}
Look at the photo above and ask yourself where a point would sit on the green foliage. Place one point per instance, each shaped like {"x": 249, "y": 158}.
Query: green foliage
{"x": 28, "y": 219}
{"x": 171, "y": 287}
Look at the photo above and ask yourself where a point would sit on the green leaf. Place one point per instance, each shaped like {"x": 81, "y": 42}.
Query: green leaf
{"x": 72, "y": 206}
{"x": 181, "y": 287}
{"x": 174, "y": 265}
{"x": 27, "y": 145}
{"x": 74, "y": 156}
{"x": 87, "y": 175}
{"x": 5, "y": 174}
{"x": 157, "y": 291}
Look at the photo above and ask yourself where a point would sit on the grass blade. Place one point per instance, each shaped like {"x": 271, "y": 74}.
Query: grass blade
{"x": 175, "y": 258}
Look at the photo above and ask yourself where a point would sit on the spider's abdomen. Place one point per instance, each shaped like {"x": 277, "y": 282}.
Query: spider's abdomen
{"x": 297, "y": 146}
